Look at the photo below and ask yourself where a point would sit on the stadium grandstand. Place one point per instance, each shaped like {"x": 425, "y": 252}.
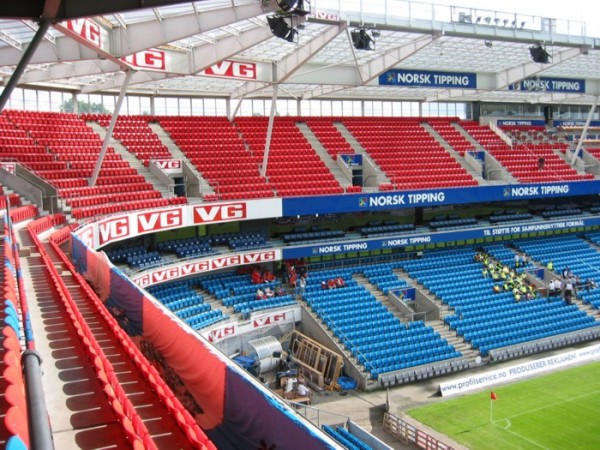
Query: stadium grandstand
{"x": 244, "y": 224}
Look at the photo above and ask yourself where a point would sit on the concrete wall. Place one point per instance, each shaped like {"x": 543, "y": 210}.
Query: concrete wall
{"x": 314, "y": 330}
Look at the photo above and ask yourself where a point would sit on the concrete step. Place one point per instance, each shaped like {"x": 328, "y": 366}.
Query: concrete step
{"x": 457, "y": 157}
{"x": 358, "y": 148}
{"x": 177, "y": 153}
{"x": 324, "y": 155}
{"x": 132, "y": 160}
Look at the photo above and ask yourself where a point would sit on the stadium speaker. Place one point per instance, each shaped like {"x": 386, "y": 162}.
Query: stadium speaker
{"x": 362, "y": 40}
{"x": 539, "y": 54}
{"x": 280, "y": 28}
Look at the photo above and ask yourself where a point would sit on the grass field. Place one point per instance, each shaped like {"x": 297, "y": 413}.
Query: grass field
{"x": 556, "y": 411}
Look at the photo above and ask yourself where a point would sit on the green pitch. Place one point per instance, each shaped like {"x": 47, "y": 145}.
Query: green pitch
{"x": 556, "y": 411}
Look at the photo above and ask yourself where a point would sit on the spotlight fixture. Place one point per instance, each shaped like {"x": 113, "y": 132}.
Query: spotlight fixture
{"x": 488, "y": 19}
{"x": 478, "y": 19}
{"x": 505, "y": 22}
{"x": 280, "y": 28}
{"x": 523, "y": 25}
{"x": 293, "y": 7}
{"x": 375, "y": 33}
{"x": 539, "y": 54}
{"x": 488, "y": 44}
{"x": 496, "y": 20}
{"x": 514, "y": 24}
{"x": 362, "y": 40}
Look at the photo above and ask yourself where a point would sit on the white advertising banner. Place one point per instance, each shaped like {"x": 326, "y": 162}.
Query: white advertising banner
{"x": 199, "y": 266}
{"x": 124, "y": 226}
{"x": 239, "y": 70}
{"x": 259, "y": 321}
{"x": 168, "y": 166}
{"x": 519, "y": 371}
{"x": 10, "y": 167}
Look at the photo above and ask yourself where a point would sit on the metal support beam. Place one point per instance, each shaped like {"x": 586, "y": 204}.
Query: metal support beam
{"x": 111, "y": 127}
{"x": 584, "y": 132}
{"x": 40, "y": 433}
{"x": 293, "y": 61}
{"x": 14, "y": 79}
{"x": 263, "y": 169}
{"x": 236, "y": 109}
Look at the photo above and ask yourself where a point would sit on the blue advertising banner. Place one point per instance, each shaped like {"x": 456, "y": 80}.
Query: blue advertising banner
{"x": 406, "y": 240}
{"x": 521, "y": 122}
{"x": 547, "y": 84}
{"x": 301, "y": 206}
{"x": 574, "y": 123}
{"x": 405, "y": 77}
{"x": 352, "y": 160}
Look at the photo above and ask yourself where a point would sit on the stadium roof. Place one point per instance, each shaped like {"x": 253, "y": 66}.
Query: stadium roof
{"x": 171, "y": 48}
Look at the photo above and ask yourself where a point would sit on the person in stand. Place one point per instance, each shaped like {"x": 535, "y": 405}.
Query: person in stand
{"x": 558, "y": 286}
{"x": 303, "y": 391}
{"x": 269, "y": 293}
{"x": 551, "y": 288}
{"x": 260, "y": 295}
{"x": 256, "y": 277}
{"x": 568, "y": 292}
{"x": 301, "y": 286}
{"x": 339, "y": 282}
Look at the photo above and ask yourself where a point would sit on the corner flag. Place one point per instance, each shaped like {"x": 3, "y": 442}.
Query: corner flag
{"x": 493, "y": 396}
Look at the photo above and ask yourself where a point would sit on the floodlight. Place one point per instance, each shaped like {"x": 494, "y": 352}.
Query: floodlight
{"x": 375, "y": 33}
{"x": 488, "y": 44}
{"x": 280, "y": 28}
{"x": 505, "y": 22}
{"x": 478, "y": 19}
{"x": 362, "y": 40}
{"x": 293, "y": 7}
{"x": 488, "y": 19}
{"x": 287, "y": 5}
{"x": 523, "y": 25}
{"x": 539, "y": 54}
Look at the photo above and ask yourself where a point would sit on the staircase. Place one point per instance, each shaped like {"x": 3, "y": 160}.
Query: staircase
{"x": 323, "y": 154}
{"x": 132, "y": 160}
{"x": 501, "y": 175}
{"x": 74, "y": 392}
{"x": 380, "y": 296}
{"x": 382, "y": 178}
{"x": 438, "y": 325}
{"x": 216, "y": 304}
{"x": 477, "y": 176}
{"x": 176, "y": 153}
{"x": 466, "y": 135}
{"x": 457, "y": 342}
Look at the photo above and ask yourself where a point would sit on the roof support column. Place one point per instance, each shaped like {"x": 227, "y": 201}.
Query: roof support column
{"x": 24, "y": 62}
{"x": 236, "y": 109}
{"x": 111, "y": 127}
{"x": 584, "y": 132}
{"x": 263, "y": 169}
